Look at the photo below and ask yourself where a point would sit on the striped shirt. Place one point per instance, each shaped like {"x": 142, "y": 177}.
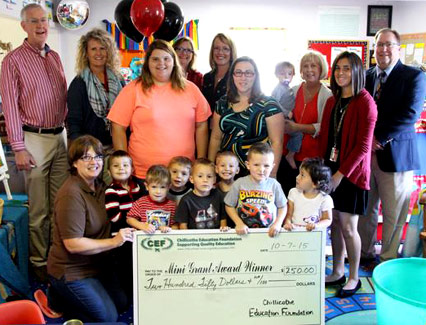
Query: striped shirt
{"x": 119, "y": 201}
{"x": 33, "y": 90}
{"x": 155, "y": 213}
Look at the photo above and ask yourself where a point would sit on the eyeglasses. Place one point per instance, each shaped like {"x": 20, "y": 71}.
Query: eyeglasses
{"x": 222, "y": 49}
{"x": 247, "y": 73}
{"x": 87, "y": 158}
{"x": 35, "y": 21}
{"x": 387, "y": 44}
{"x": 183, "y": 50}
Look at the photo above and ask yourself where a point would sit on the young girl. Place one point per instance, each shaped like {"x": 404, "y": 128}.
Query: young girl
{"x": 309, "y": 205}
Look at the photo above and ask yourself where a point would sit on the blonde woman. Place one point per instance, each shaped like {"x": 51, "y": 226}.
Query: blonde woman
{"x": 222, "y": 55}
{"x": 94, "y": 89}
{"x": 311, "y": 96}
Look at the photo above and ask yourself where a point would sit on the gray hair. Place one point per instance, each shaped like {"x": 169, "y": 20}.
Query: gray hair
{"x": 29, "y": 7}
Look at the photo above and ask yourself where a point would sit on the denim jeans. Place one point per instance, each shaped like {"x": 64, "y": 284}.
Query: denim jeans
{"x": 96, "y": 299}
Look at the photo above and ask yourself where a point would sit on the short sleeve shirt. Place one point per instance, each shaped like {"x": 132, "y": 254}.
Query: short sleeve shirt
{"x": 201, "y": 212}
{"x": 162, "y": 122}
{"x": 308, "y": 210}
{"x": 257, "y": 204}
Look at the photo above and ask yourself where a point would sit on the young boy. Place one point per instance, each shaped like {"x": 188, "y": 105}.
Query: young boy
{"x": 284, "y": 71}
{"x": 256, "y": 200}
{"x": 180, "y": 169}
{"x": 122, "y": 192}
{"x": 119, "y": 198}
{"x": 202, "y": 208}
{"x": 154, "y": 211}
{"x": 227, "y": 167}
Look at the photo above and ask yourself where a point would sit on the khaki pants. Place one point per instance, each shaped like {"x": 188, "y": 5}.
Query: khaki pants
{"x": 394, "y": 191}
{"x": 42, "y": 183}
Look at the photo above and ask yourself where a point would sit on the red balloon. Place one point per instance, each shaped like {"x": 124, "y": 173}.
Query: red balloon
{"x": 147, "y": 15}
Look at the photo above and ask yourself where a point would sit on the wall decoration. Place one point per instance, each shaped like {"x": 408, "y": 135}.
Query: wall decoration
{"x": 413, "y": 50}
{"x": 331, "y": 48}
{"x": 378, "y": 17}
{"x": 73, "y": 14}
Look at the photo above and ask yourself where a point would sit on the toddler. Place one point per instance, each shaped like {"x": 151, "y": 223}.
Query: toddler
{"x": 284, "y": 71}
{"x": 154, "y": 211}
{"x": 309, "y": 205}
{"x": 180, "y": 169}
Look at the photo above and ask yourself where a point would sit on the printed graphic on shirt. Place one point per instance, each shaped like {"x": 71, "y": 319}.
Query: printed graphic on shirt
{"x": 256, "y": 208}
{"x": 206, "y": 219}
{"x": 312, "y": 219}
{"x": 158, "y": 218}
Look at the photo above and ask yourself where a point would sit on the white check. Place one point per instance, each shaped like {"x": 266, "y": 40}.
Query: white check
{"x": 211, "y": 277}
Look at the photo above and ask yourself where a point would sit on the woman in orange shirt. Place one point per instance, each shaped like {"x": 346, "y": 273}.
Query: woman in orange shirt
{"x": 167, "y": 115}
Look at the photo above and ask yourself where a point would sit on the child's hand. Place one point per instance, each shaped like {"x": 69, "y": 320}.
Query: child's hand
{"x": 288, "y": 226}
{"x": 310, "y": 226}
{"x": 241, "y": 229}
{"x": 148, "y": 228}
{"x": 164, "y": 229}
{"x": 290, "y": 115}
{"x": 224, "y": 229}
{"x": 274, "y": 230}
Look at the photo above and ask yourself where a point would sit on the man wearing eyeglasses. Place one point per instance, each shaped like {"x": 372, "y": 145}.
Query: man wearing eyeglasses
{"x": 399, "y": 91}
{"x": 33, "y": 89}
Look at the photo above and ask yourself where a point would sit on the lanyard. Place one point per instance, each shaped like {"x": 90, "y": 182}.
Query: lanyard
{"x": 338, "y": 126}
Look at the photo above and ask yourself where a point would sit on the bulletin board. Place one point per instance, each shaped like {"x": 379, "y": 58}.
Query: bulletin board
{"x": 332, "y": 48}
{"x": 413, "y": 50}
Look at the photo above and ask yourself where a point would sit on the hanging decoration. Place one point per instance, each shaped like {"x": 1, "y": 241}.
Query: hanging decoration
{"x": 72, "y": 14}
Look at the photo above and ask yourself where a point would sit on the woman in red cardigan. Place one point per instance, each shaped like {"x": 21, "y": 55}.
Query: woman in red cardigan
{"x": 346, "y": 137}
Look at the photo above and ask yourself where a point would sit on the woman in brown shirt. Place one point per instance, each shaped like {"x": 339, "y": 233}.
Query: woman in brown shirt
{"x": 82, "y": 283}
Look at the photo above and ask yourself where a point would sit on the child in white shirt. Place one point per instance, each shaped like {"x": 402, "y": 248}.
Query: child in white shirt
{"x": 309, "y": 205}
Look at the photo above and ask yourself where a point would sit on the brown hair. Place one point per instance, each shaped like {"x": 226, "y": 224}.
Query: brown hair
{"x": 203, "y": 162}
{"x": 177, "y": 78}
{"x": 357, "y": 72}
{"x": 182, "y": 40}
{"x": 262, "y": 148}
{"x": 232, "y": 92}
{"x": 221, "y": 154}
{"x": 387, "y": 30}
{"x": 158, "y": 174}
{"x": 180, "y": 160}
{"x": 79, "y": 148}
{"x": 119, "y": 154}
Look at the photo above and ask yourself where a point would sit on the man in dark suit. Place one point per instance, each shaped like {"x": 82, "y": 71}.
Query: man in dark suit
{"x": 399, "y": 91}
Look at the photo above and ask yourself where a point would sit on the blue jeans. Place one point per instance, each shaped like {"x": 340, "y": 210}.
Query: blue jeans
{"x": 96, "y": 299}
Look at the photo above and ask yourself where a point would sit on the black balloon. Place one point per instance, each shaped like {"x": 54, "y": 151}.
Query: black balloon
{"x": 124, "y": 23}
{"x": 172, "y": 23}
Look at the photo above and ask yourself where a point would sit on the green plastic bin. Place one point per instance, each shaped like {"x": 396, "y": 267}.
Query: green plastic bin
{"x": 400, "y": 287}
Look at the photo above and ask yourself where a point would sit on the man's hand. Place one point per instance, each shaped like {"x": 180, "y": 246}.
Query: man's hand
{"x": 24, "y": 160}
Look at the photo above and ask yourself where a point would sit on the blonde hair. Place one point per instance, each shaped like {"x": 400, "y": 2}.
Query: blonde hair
{"x": 177, "y": 78}
{"x": 318, "y": 58}
{"x": 228, "y": 41}
{"x": 97, "y": 34}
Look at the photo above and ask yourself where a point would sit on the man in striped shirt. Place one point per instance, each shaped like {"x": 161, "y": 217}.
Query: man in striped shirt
{"x": 33, "y": 90}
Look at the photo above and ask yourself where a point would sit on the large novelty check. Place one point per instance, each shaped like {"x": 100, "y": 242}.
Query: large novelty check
{"x": 210, "y": 277}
